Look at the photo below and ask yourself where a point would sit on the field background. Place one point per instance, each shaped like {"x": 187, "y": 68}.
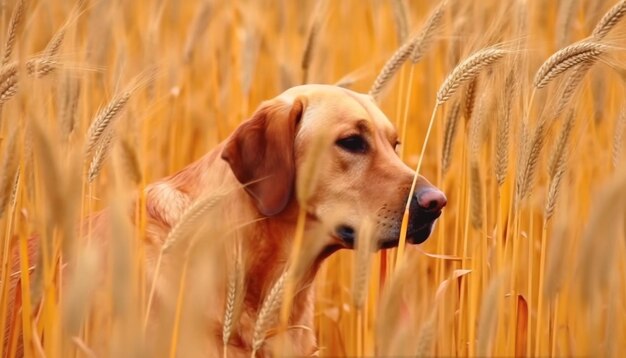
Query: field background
{"x": 498, "y": 276}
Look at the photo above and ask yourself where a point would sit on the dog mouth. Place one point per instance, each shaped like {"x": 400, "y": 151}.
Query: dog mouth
{"x": 418, "y": 231}
{"x": 421, "y": 229}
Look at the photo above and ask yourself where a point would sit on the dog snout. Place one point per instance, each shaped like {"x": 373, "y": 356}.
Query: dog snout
{"x": 426, "y": 206}
{"x": 431, "y": 200}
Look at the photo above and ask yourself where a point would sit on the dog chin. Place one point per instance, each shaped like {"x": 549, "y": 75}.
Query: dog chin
{"x": 346, "y": 235}
{"x": 414, "y": 237}
{"x": 420, "y": 235}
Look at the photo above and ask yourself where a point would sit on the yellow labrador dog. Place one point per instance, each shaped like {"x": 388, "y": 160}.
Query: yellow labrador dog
{"x": 363, "y": 177}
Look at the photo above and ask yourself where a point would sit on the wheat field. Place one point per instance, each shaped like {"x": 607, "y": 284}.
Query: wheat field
{"x": 515, "y": 109}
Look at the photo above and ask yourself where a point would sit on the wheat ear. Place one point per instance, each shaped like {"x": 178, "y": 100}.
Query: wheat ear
{"x": 503, "y": 128}
{"x": 14, "y": 23}
{"x": 600, "y": 237}
{"x": 38, "y": 67}
{"x": 267, "y": 313}
{"x": 571, "y": 84}
{"x": 68, "y": 105}
{"x": 391, "y": 67}
{"x": 401, "y": 20}
{"x": 9, "y": 167}
{"x": 565, "y": 59}
{"x": 561, "y": 145}
{"x": 8, "y": 82}
{"x": 234, "y": 294}
{"x": 103, "y": 121}
{"x": 558, "y": 165}
{"x": 413, "y": 48}
{"x": 450, "y": 130}
{"x": 618, "y": 141}
{"x": 526, "y": 171}
{"x": 470, "y": 98}
{"x": 427, "y": 334}
{"x": 100, "y": 154}
{"x": 190, "y": 218}
{"x": 608, "y": 21}
{"x": 197, "y": 28}
{"x": 423, "y": 41}
{"x": 467, "y": 71}
{"x": 130, "y": 161}
{"x": 566, "y": 13}
{"x": 476, "y": 131}
{"x": 311, "y": 41}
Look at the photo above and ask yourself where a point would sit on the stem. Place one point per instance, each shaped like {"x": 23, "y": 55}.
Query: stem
{"x": 405, "y": 216}
{"x": 285, "y": 309}
{"x": 179, "y": 307}
{"x": 542, "y": 264}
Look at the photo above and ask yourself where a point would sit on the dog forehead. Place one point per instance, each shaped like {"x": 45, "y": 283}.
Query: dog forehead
{"x": 327, "y": 105}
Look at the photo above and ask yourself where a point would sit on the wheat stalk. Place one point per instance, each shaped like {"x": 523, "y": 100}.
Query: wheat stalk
{"x": 14, "y": 23}
{"x": 558, "y": 165}
{"x": 364, "y": 247}
{"x": 608, "y": 21}
{"x": 9, "y": 167}
{"x": 425, "y": 38}
{"x": 267, "y": 313}
{"x": 503, "y": 124}
{"x": 467, "y": 71}
{"x": 450, "y": 129}
{"x": 488, "y": 318}
{"x": 565, "y": 59}
{"x": 618, "y": 141}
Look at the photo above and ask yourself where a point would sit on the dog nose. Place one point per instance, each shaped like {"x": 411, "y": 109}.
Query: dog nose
{"x": 431, "y": 200}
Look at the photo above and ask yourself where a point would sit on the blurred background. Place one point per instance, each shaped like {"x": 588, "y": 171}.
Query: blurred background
{"x": 528, "y": 259}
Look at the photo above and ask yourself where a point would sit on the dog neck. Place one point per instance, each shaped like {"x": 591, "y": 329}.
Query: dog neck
{"x": 266, "y": 242}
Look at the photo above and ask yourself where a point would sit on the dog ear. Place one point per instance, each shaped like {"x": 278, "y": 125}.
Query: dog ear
{"x": 261, "y": 154}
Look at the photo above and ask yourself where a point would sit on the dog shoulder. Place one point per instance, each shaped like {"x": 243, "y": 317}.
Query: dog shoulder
{"x": 165, "y": 203}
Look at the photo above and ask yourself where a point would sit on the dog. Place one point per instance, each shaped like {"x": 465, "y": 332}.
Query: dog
{"x": 260, "y": 163}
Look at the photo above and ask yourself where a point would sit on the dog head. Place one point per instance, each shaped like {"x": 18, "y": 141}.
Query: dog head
{"x": 358, "y": 173}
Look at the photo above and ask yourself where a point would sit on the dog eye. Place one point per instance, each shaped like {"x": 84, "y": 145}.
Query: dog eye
{"x": 353, "y": 144}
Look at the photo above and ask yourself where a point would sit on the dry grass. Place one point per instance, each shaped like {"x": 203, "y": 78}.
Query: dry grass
{"x": 528, "y": 257}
